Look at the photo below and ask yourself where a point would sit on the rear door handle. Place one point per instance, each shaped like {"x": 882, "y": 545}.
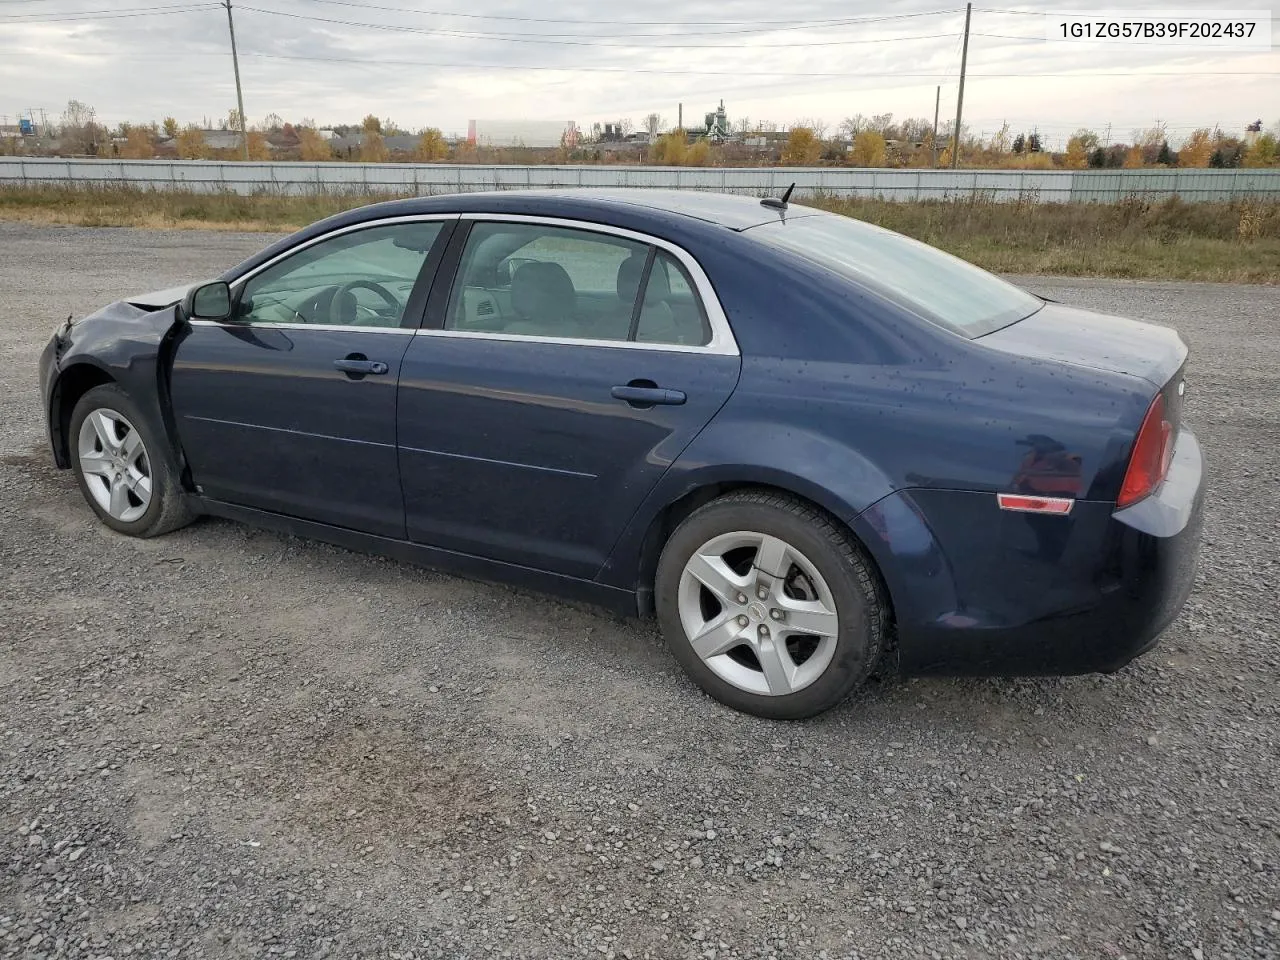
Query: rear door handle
{"x": 357, "y": 365}
{"x": 648, "y": 396}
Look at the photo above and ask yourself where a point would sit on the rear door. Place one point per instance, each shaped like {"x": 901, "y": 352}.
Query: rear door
{"x": 561, "y": 373}
{"x": 291, "y": 406}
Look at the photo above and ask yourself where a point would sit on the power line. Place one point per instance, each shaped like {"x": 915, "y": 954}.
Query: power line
{"x": 535, "y": 38}
{"x": 16, "y": 20}
{"x": 735, "y": 73}
{"x": 639, "y": 23}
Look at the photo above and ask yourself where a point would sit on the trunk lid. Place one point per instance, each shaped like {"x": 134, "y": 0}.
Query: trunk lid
{"x": 1083, "y": 338}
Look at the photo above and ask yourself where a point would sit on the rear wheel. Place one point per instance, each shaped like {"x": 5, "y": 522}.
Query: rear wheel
{"x": 769, "y": 605}
{"x": 126, "y": 474}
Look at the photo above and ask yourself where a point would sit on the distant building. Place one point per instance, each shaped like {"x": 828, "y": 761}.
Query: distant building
{"x": 520, "y": 133}
{"x": 213, "y": 139}
{"x": 348, "y": 147}
{"x": 717, "y": 124}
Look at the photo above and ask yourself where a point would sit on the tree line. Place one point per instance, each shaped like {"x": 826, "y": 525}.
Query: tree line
{"x": 858, "y": 141}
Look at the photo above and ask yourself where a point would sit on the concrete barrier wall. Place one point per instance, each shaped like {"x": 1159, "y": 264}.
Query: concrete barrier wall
{"x": 301, "y": 179}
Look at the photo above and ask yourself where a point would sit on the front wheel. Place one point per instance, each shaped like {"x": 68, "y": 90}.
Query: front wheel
{"x": 769, "y": 605}
{"x": 126, "y": 474}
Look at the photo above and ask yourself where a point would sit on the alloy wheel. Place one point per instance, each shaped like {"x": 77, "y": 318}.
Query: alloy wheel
{"x": 758, "y": 613}
{"x": 114, "y": 462}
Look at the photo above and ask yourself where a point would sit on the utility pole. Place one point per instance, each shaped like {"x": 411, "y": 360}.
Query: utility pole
{"x": 937, "y": 102}
{"x": 235, "y": 63}
{"x": 964, "y": 63}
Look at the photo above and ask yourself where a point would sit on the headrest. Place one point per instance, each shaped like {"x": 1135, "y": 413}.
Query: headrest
{"x": 543, "y": 291}
{"x": 632, "y": 269}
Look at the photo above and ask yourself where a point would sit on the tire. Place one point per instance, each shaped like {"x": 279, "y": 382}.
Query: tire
{"x": 147, "y": 499}
{"x": 817, "y": 578}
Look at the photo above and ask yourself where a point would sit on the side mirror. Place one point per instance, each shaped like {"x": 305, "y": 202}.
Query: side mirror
{"x": 210, "y": 301}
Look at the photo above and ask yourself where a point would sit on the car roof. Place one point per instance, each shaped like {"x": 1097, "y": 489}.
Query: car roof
{"x": 732, "y": 211}
{"x": 676, "y": 215}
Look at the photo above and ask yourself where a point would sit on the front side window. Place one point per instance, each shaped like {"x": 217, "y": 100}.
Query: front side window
{"x": 546, "y": 281}
{"x": 937, "y": 286}
{"x": 357, "y": 279}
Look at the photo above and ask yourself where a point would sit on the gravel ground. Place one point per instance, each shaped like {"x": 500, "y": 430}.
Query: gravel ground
{"x": 231, "y": 743}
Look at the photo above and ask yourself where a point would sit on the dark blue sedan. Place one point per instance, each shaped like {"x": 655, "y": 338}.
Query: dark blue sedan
{"x": 808, "y": 445}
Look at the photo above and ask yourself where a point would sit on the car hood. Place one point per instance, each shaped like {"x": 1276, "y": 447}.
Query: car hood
{"x": 158, "y": 299}
{"x": 1095, "y": 340}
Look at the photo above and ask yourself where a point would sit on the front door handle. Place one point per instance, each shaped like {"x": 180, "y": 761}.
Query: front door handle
{"x": 357, "y": 366}
{"x": 646, "y": 394}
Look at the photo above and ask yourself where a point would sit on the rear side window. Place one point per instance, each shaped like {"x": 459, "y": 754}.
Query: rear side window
{"x": 935, "y": 285}
{"x": 671, "y": 311}
{"x": 552, "y": 282}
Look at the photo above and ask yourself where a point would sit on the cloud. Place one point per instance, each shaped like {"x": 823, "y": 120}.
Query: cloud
{"x": 336, "y": 60}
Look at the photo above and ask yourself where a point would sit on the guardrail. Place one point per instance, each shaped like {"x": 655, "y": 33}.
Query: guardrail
{"x": 302, "y": 179}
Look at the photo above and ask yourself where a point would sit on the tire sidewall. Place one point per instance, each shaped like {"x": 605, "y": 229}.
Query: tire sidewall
{"x": 856, "y": 643}
{"x": 112, "y": 397}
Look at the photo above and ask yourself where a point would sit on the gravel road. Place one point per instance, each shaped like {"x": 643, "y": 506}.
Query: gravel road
{"x": 228, "y": 743}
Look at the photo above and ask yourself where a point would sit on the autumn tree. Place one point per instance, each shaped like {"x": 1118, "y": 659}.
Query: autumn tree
{"x": 670, "y": 149}
{"x": 170, "y": 127}
{"x": 374, "y": 148}
{"x": 1134, "y": 159}
{"x": 312, "y": 146}
{"x": 869, "y": 149}
{"x": 1078, "y": 150}
{"x": 698, "y": 154}
{"x": 137, "y": 145}
{"x": 371, "y": 124}
{"x": 1265, "y": 152}
{"x": 191, "y": 145}
{"x": 1197, "y": 151}
{"x": 80, "y": 129}
{"x": 431, "y": 146}
{"x": 803, "y": 148}
{"x": 1001, "y": 141}
{"x": 852, "y": 126}
{"x": 259, "y": 149}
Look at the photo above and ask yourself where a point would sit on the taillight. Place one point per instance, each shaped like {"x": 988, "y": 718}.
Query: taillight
{"x": 1152, "y": 453}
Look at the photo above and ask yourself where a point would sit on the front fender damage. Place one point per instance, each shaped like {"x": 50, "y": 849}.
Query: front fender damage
{"x": 128, "y": 344}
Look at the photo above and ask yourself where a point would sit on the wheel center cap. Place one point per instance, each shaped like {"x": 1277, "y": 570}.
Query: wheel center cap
{"x": 756, "y": 610}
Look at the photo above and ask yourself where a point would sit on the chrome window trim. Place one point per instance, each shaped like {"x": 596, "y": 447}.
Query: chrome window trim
{"x": 331, "y": 327}
{"x": 722, "y": 339}
{"x": 350, "y": 228}
{"x": 245, "y": 277}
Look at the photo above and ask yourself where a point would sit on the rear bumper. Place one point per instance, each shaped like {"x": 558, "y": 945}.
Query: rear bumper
{"x": 1010, "y": 595}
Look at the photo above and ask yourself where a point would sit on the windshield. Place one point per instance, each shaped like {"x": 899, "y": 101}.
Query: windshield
{"x": 939, "y": 287}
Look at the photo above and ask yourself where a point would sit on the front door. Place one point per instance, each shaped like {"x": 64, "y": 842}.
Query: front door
{"x": 291, "y": 405}
{"x": 554, "y": 392}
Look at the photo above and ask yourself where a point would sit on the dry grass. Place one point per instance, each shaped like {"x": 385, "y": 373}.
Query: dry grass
{"x": 1169, "y": 240}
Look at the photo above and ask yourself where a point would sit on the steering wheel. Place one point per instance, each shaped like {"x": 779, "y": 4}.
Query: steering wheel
{"x": 337, "y": 305}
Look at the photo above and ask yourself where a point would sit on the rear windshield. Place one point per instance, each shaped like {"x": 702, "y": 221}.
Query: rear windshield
{"x": 937, "y": 286}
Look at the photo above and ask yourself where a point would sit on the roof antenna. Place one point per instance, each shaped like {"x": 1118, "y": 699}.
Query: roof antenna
{"x": 776, "y": 203}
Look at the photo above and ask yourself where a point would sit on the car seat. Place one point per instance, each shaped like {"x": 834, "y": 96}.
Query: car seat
{"x": 544, "y": 300}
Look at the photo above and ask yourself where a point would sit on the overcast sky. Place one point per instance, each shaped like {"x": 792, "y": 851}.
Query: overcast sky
{"x": 443, "y": 62}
